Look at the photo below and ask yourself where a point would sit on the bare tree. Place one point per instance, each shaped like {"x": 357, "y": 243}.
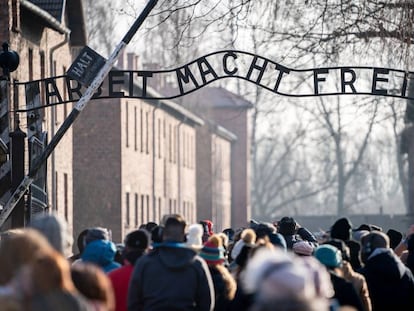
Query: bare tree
{"x": 100, "y": 24}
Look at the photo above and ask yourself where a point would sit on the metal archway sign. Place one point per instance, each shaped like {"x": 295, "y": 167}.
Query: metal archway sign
{"x": 324, "y": 81}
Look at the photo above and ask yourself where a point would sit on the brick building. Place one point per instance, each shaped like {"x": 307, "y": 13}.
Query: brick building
{"x": 134, "y": 161}
{"x": 125, "y": 161}
{"x": 46, "y": 34}
{"x": 214, "y": 150}
{"x": 232, "y": 113}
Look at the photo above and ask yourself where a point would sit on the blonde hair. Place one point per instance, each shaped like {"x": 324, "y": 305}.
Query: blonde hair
{"x": 93, "y": 284}
{"x": 51, "y": 271}
{"x": 19, "y": 248}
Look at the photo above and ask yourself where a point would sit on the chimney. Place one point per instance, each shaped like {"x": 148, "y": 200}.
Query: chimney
{"x": 132, "y": 61}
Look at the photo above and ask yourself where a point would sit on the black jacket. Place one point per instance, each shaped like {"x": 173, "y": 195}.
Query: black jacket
{"x": 345, "y": 292}
{"x": 390, "y": 283}
{"x": 302, "y": 234}
{"x": 171, "y": 278}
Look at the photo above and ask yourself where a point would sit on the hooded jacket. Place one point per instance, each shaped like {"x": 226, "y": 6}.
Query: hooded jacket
{"x": 342, "y": 230}
{"x": 390, "y": 283}
{"x": 101, "y": 253}
{"x": 171, "y": 277}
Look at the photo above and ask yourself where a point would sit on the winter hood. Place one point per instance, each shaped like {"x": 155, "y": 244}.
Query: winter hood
{"x": 175, "y": 255}
{"x": 102, "y": 253}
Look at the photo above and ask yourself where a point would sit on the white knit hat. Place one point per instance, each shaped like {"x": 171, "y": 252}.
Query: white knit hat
{"x": 194, "y": 237}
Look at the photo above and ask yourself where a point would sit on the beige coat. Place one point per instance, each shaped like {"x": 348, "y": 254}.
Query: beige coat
{"x": 360, "y": 284}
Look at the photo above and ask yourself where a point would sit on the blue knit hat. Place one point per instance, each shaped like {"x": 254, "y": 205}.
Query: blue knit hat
{"x": 213, "y": 251}
{"x": 328, "y": 255}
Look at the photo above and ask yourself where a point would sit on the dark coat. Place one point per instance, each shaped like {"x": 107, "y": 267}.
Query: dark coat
{"x": 345, "y": 293}
{"x": 302, "y": 234}
{"x": 171, "y": 278}
{"x": 354, "y": 251}
{"x": 390, "y": 283}
{"x": 222, "y": 302}
{"x": 242, "y": 301}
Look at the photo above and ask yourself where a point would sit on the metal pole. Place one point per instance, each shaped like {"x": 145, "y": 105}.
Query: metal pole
{"x": 80, "y": 105}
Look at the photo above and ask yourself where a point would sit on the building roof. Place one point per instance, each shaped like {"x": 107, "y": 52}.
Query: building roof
{"x": 221, "y": 131}
{"x": 45, "y": 16}
{"x": 53, "y": 7}
{"x": 52, "y": 13}
{"x": 217, "y": 97}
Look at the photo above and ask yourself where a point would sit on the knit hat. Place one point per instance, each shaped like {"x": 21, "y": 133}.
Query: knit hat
{"x": 328, "y": 255}
{"x": 56, "y": 231}
{"x": 287, "y": 226}
{"x": 194, "y": 235}
{"x": 303, "y": 248}
{"x": 96, "y": 233}
{"x": 341, "y": 229}
{"x": 248, "y": 237}
{"x": 343, "y": 248}
{"x": 278, "y": 240}
{"x": 213, "y": 251}
{"x": 138, "y": 239}
{"x": 279, "y": 275}
{"x": 357, "y": 235}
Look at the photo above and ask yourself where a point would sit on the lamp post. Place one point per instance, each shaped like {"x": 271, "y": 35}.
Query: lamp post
{"x": 9, "y": 61}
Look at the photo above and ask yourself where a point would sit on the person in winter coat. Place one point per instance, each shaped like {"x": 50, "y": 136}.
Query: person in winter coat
{"x": 293, "y": 232}
{"x": 357, "y": 279}
{"x": 342, "y": 230}
{"x": 224, "y": 283}
{"x": 171, "y": 276}
{"x": 345, "y": 292}
{"x": 101, "y": 253}
{"x": 136, "y": 245}
{"x": 390, "y": 282}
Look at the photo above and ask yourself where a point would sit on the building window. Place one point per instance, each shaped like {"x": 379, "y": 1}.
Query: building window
{"x": 175, "y": 136}
{"x": 148, "y": 209}
{"x": 127, "y": 124}
{"x": 127, "y": 217}
{"x": 154, "y": 210}
{"x": 137, "y": 220}
{"x": 65, "y": 98}
{"x": 170, "y": 206}
{"x": 159, "y": 208}
{"x": 142, "y": 130}
{"x": 164, "y": 129}
{"x": 159, "y": 138}
{"x": 135, "y": 129}
{"x": 42, "y": 76}
{"x": 170, "y": 143}
{"x": 184, "y": 147}
{"x": 66, "y": 196}
{"x": 30, "y": 65}
{"x": 57, "y": 191}
{"x": 143, "y": 215}
{"x": 147, "y": 132}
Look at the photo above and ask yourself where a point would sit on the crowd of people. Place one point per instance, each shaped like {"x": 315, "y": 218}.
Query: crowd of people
{"x": 175, "y": 266}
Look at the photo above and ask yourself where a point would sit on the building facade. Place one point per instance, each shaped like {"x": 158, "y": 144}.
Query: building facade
{"x": 134, "y": 161}
{"x": 46, "y": 35}
{"x": 214, "y": 150}
{"x": 231, "y": 112}
{"x": 124, "y": 162}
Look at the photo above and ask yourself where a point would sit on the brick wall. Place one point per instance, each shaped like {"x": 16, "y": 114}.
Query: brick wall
{"x": 34, "y": 42}
{"x": 237, "y": 121}
{"x": 131, "y": 166}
